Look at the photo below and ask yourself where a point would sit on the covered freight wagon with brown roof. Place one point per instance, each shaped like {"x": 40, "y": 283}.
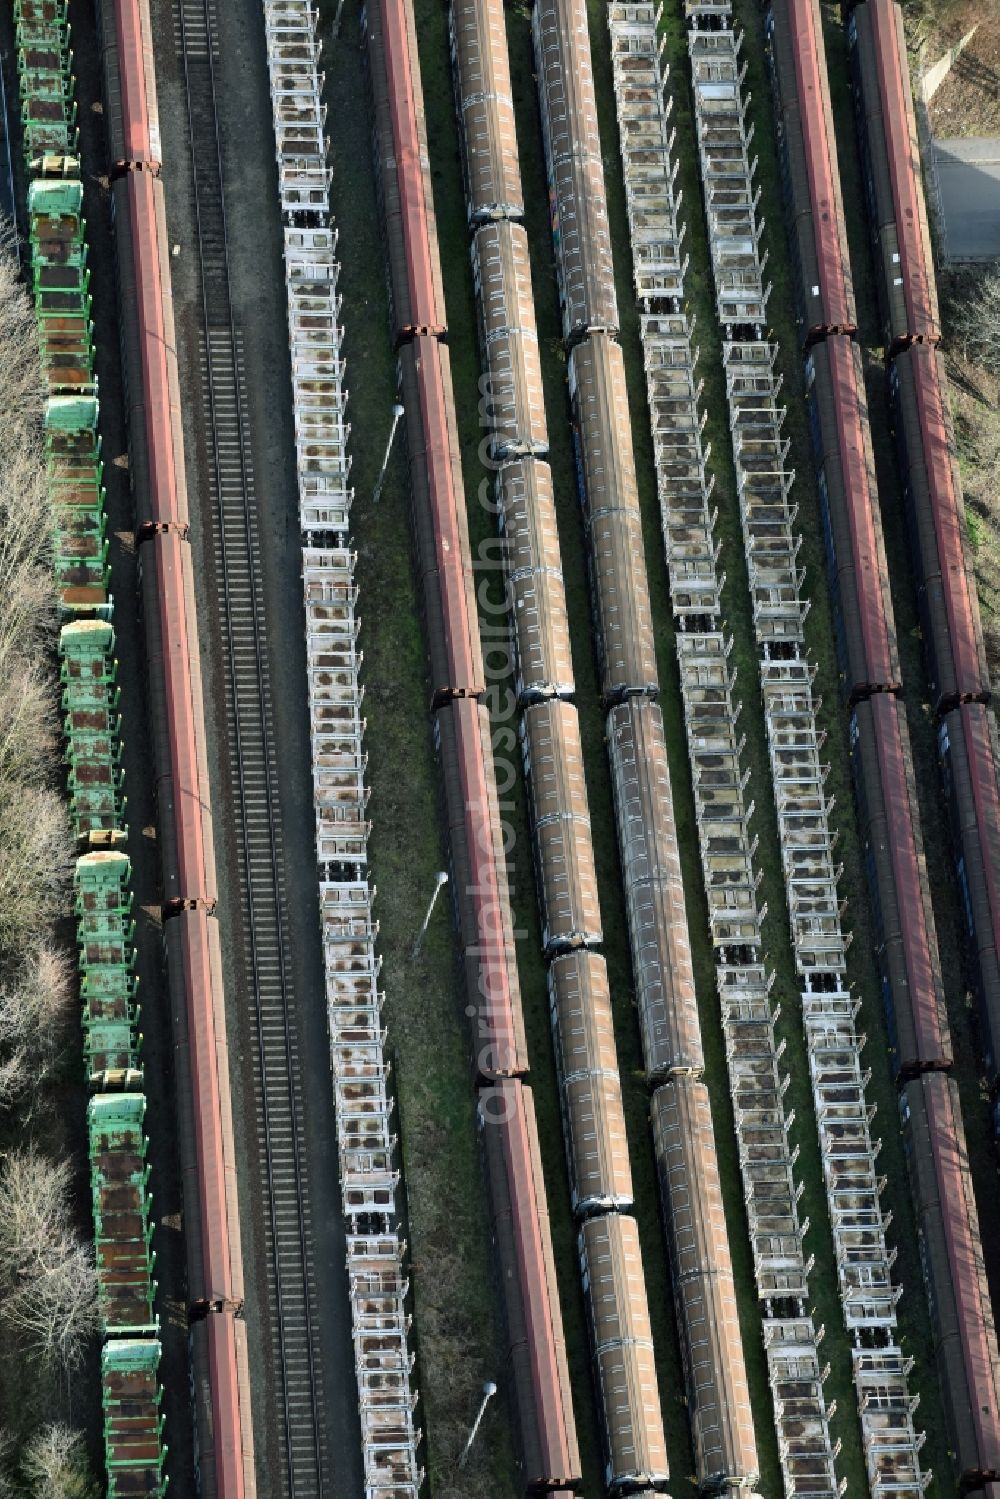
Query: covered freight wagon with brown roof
{"x": 912, "y": 984}
{"x": 852, "y": 520}
{"x": 578, "y": 204}
{"x": 704, "y": 1292}
{"x": 403, "y": 172}
{"x": 484, "y": 100}
{"x": 589, "y": 1083}
{"x": 654, "y": 892}
{"x": 537, "y": 1369}
{"x": 951, "y": 1256}
{"x": 440, "y": 522}
{"x": 622, "y": 1344}
{"x": 543, "y": 660}
{"x": 890, "y": 154}
{"x": 970, "y": 755}
{"x": 513, "y": 408}
{"x": 480, "y": 889}
{"x": 810, "y": 170}
{"x": 932, "y": 491}
{"x": 560, "y": 818}
{"x": 609, "y": 493}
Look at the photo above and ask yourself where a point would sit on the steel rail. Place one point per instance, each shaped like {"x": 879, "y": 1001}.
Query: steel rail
{"x": 279, "y": 1101}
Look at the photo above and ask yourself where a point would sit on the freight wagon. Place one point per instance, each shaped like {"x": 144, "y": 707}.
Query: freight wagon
{"x": 909, "y": 963}
{"x": 547, "y": 1453}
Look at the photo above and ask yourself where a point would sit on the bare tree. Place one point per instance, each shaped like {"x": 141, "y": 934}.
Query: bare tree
{"x": 25, "y": 512}
{"x": 49, "y": 1276}
{"x": 975, "y": 315}
{"x": 22, "y": 388}
{"x": 45, "y": 989}
{"x": 8, "y": 1487}
{"x": 35, "y": 868}
{"x": 15, "y": 1074}
{"x": 55, "y": 1465}
{"x": 28, "y": 725}
{"x": 26, "y": 583}
{"x": 34, "y": 1015}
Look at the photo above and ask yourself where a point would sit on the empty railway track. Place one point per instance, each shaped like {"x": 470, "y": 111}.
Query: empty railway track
{"x": 291, "y": 1285}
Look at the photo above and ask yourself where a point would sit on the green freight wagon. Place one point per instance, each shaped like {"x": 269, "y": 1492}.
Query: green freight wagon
{"x": 105, "y": 934}
{"x": 134, "y": 1449}
{"x": 123, "y": 1230}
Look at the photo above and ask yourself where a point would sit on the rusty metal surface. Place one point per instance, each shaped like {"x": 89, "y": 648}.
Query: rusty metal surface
{"x": 654, "y": 892}
{"x": 538, "y": 1373}
{"x": 483, "y": 96}
{"x": 965, "y": 1341}
{"x": 913, "y": 989}
{"x": 133, "y": 395}
{"x": 536, "y": 1349}
{"x": 221, "y": 1396}
{"x": 577, "y": 198}
{"x": 616, "y": 559}
{"x": 479, "y": 888}
{"x": 540, "y": 624}
{"x": 154, "y": 318}
{"x": 174, "y": 665}
{"x": 970, "y": 756}
{"x": 440, "y": 520}
{"x": 704, "y": 1293}
{"x": 812, "y": 175}
{"x": 587, "y": 1064}
{"x": 560, "y": 815}
{"x": 191, "y": 940}
{"x": 130, "y": 110}
{"x": 888, "y": 131}
{"x": 865, "y": 623}
{"x": 932, "y": 490}
{"x": 403, "y": 169}
{"x": 622, "y": 1345}
{"x": 513, "y": 407}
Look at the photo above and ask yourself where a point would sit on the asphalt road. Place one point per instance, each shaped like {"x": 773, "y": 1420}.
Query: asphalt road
{"x": 968, "y": 179}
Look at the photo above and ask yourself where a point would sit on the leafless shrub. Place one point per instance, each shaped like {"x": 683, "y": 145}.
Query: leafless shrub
{"x": 974, "y": 314}
{"x": 34, "y": 870}
{"x": 48, "y": 1272}
{"x": 25, "y": 519}
{"x": 8, "y": 1489}
{"x": 26, "y": 583}
{"x": 22, "y": 388}
{"x": 34, "y": 1013}
{"x": 15, "y": 1074}
{"x": 55, "y": 1465}
{"x": 924, "y": 15}
{"x": 28, "y": 726}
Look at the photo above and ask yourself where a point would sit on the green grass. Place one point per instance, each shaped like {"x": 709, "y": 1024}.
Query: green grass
{"x": 455, "y": 1330}
{"x": 974, "y": 527}
{"x": 933, "y": 813}
{"x": 737, "y": 602}
{"x": 826, "y": 1307}
{"x": 454, "y": 1301}
{"x": 592, "y": 726}
{"x": 450, "y": 208}
{"x": 454, "y": 241}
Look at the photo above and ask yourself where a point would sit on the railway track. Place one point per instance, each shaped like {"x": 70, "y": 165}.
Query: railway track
{"x": 291, "y": 1283}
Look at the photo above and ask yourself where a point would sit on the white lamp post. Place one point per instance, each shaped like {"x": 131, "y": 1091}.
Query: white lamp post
{"x": 442, "y": 880}
{"x": 489, "y": 1390}
{"x": 397, "y": 412}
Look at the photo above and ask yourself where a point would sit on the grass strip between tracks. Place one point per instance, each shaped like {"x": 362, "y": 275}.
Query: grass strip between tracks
{"x": 456, "y": 1337}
